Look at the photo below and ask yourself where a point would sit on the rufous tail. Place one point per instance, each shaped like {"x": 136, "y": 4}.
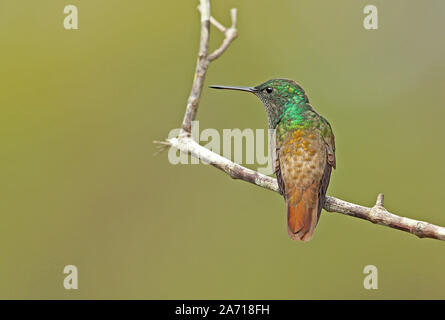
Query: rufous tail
{"x": 302, "y": 215}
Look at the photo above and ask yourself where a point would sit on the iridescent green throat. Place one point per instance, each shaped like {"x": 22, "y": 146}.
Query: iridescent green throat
{"x": 301, "y": 116}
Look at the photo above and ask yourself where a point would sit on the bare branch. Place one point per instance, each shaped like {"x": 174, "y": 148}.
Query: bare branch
{"x": 230, "y": 35}
{"x": 200, "y": 71}
{"x": 204, "y": 60}
{"x": 236, "y": 171}
{"x": 377, "y": 214}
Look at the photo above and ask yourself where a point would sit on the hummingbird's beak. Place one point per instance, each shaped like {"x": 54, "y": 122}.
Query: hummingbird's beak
{"x": 247, "y": 89}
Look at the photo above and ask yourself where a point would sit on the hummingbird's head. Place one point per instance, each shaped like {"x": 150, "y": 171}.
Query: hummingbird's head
{"x": 275, "y": 94}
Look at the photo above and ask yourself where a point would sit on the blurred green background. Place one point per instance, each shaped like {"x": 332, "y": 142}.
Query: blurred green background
{"x": 80, "y": 184}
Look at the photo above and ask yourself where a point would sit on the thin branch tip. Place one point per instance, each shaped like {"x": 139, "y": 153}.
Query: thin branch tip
{"x": 230, "y": 34}
{"x": 163, "y": 142}
{"x": 380, "y": 199}
{"x": 233, "y": 13}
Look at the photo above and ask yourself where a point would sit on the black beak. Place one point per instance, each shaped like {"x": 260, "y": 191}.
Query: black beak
{"x": 247, "y": 89}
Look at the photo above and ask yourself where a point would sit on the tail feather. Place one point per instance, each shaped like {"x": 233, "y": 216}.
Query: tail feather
{"x": 302, "y": 216}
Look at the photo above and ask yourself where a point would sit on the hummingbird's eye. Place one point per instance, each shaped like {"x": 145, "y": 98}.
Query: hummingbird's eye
{"x": 269, "y": 89}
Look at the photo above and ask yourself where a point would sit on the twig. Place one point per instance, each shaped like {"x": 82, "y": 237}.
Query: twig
{"x": 204, "y": 60}
{"x": 200, "y": 71}
{"x": 230, "y": 35}
{"x": 184, "y": 142}
{"x": 236, "y": 171}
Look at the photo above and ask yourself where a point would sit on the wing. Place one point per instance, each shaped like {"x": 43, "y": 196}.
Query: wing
{"x": 329, "y": 139}
{"x": 331, "y": 162}
{"x": 278, "y": 172}
{"x": 324, "y": 186}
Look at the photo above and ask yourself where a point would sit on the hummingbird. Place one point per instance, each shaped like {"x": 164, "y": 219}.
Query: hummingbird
{"x": 303, "y": 153}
